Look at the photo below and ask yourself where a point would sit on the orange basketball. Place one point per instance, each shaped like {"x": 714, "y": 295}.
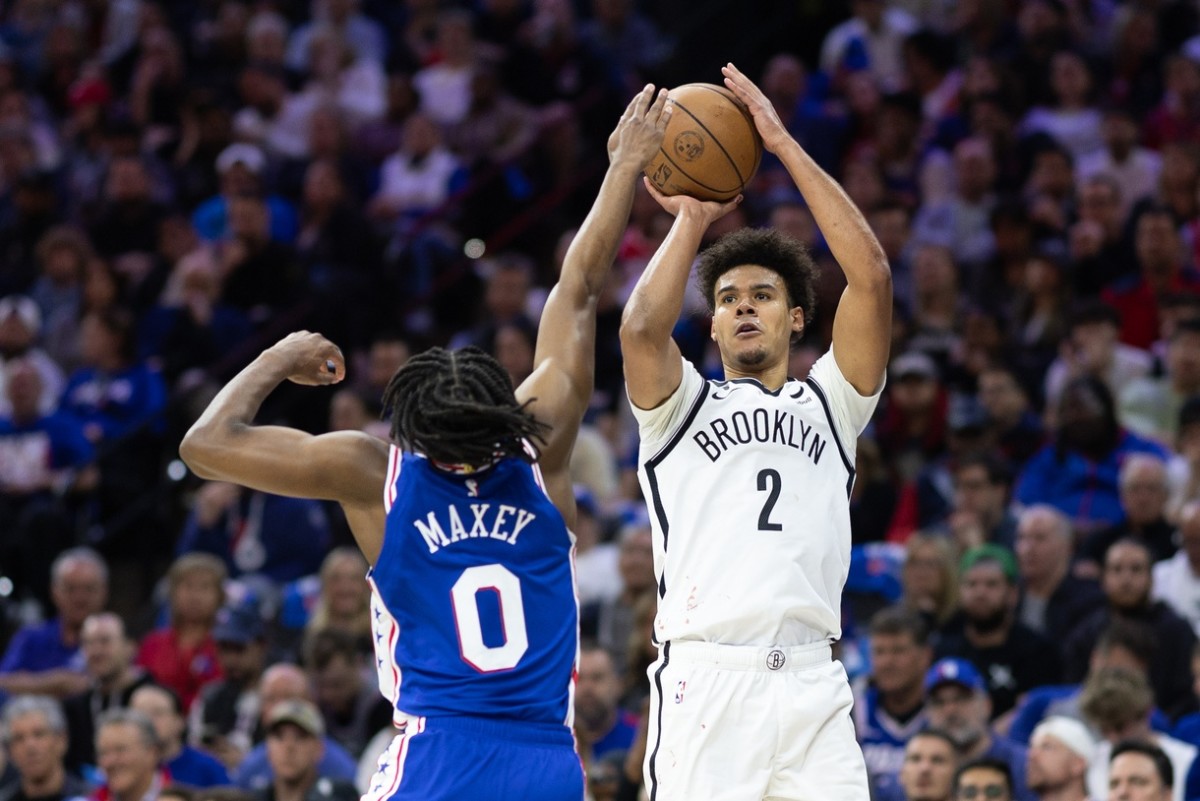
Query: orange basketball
{"x": 711, "y": 149}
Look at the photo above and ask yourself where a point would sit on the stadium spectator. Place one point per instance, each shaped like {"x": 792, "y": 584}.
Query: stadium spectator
{"x": 1126, "y": 582}
{"x": 46, "y": 658}
{"x": 1118, "y": 703}
{"x": 1012, "y": 658}
{"x": 35, "y": 736}
{"x": 1053, "y": 599}
{"x": 281, "y": 684}
{"x": 185, "y": 764}
{"x": 1078, "y": 472}
{"x": 889, "y": 702}
{"x": 130, "y": 754}
{"x": 224, "y": 718}
{"x": 930, "y": 759}
{"x": 1142, "y": 483}
{"x": 182, "y": 655}
{"x": 113, "y": 678}
{"x": 294, "y": 746}
{"x": 1177, "y": 580}
{"x": 1060, "y": 753}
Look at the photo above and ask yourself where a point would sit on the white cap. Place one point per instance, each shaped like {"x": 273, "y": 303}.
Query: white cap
{"x": 1071, "y": 733}
{"x": 242, "y": 153}
{"x": 23, "y": 307}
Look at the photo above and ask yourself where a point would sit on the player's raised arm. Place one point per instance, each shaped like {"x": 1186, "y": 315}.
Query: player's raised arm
{"x": 862, "y": 329}
{"x": 651, "y": 358}
{"x": 345, "y": 466}
{"x": 564, "y": 359}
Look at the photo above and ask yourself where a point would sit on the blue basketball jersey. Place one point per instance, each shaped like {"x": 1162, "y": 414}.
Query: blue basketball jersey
{"x": 881, "y": 736}
{"x": 473, "y": 595}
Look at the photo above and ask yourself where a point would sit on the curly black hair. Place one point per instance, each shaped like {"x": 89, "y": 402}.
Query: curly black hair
{"x": 764, "y": 247}
{"x": 458, "y": 407}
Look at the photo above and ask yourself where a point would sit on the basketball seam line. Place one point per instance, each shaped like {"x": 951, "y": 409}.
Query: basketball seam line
{"x": 716, "y": 141}
{"x": 745, "y": 113}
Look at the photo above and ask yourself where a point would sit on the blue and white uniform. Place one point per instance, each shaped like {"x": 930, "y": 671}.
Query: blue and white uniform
{"x": 476, "y": 631}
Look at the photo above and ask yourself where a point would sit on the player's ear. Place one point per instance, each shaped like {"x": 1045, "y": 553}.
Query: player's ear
{"x": 712, "y": 329}
{"x": 798, "y": 319}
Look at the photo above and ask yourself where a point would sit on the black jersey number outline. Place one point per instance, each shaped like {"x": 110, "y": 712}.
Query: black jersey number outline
{"x": 764, "y": 517}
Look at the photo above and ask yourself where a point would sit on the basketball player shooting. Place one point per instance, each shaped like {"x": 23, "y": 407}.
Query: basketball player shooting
{"x": 748, "y": 480}
{"x": 463, "y": 517}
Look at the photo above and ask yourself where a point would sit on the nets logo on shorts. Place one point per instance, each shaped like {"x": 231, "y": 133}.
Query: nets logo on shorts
{"x": 776, "y": 659}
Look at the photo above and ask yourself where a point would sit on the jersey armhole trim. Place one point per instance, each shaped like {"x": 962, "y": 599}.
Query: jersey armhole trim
{"x": 395, "y": 460}
{"x": 849, "y": 464}
{"x": 682, "y": 428}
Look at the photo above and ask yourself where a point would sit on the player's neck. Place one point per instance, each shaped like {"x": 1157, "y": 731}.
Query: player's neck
{"x": 771, "y": 377}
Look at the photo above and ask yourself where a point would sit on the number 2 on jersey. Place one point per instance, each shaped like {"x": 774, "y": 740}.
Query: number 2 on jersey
{"x": 771, "y": 477}
{"x": 464, "y": 597}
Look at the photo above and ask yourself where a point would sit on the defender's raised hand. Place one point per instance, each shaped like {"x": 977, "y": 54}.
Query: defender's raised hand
{"x": 639, "y": 132}
{"x": 311, "y": 358}
{"x": 770, "y": 128}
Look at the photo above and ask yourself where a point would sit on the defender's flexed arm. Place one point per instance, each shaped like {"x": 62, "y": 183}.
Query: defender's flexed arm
{"x": 560, "y": 387}
{"x": 345, "y": 466}
{"x": 862, "y": 329}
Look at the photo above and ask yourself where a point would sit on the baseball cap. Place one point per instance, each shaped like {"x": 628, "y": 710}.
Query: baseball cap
{"x": 952, "y": 670}
{"x": 913, "y": 363}
{"x": 25, "y": 308}
{"x": 299, "y": 713}
{"x": 1070, "y": 732}
{"x": 993, "y": 552}
{"x": 242, "y": 153}
{"x": 236, "y": 624}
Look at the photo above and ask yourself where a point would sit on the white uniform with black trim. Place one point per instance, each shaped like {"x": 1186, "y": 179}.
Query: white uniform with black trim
{"x": 748, "y": 492}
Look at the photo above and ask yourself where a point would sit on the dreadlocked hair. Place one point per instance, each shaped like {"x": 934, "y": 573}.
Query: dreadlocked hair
{"x": 459, "y": 407}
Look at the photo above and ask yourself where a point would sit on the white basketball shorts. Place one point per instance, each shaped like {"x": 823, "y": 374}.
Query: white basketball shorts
{"x": 743, "y": 723}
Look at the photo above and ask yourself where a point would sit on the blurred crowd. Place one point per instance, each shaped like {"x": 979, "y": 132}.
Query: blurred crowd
{"x": 181, "y": 184}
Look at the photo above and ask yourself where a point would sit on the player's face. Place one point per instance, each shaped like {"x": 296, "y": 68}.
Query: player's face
{"x": 928, "y": 769}
{"x": 752, "y": 321}
{"x": 1132, "y": 777}
{"x": 897, "y": 663}
{"x": 1051, "y": 764}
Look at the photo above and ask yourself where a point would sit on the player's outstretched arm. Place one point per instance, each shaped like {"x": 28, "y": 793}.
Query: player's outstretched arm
{"x": 652, "y": 361}
{"x": 345, "y": 466}
{"x": 862, "y": 328}
{"x": 564, "y": 359}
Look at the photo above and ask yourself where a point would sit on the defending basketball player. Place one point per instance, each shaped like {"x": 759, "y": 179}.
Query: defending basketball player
{"x": 464, "y": 519}
{"x": 748, "y": 480}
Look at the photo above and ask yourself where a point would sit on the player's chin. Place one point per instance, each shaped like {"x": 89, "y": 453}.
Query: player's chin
{"x": 752, "y": 356}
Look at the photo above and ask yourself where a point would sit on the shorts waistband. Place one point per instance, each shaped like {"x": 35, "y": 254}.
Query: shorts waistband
{"x": 521, "y": 731}
{"x": 766, "y": 658}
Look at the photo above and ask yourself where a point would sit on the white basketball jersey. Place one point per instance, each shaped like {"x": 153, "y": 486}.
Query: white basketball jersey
{"x": 748, "y": 493}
